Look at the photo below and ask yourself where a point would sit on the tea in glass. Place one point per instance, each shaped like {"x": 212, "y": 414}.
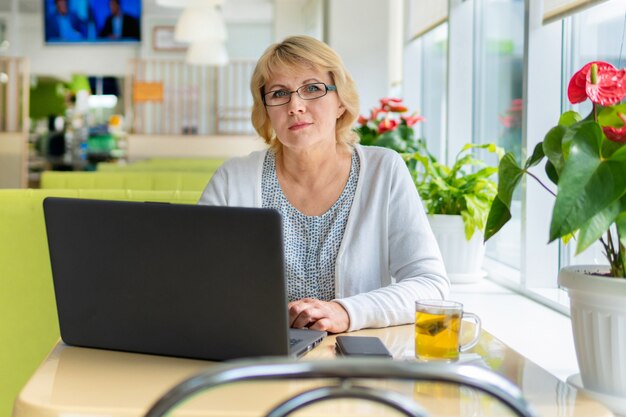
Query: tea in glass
{"x": 437, "y": 330}
{"x": 437, "y": 335}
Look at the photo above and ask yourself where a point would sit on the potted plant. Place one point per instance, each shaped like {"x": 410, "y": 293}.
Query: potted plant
{"x": 585, "y": 158}
{"x": 457, "y": 198}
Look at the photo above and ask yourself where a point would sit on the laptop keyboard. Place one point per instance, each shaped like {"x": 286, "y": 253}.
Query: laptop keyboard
{"x": 294, "y": 341}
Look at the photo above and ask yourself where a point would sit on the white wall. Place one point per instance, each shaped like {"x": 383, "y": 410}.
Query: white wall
{"x": 64, "y": 60}
{"x": 289, "y": 19}
{"x": 249, "y": 40}
{"x": 314, "y": 18}
{"x": 358, "y": 31}
{"x": 298, "y": 17}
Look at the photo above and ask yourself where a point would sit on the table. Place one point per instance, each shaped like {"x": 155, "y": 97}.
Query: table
{"x": 92, "y": 382}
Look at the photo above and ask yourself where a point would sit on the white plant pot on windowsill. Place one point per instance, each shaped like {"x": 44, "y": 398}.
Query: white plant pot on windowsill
{"x": 463, "y": 259}
{"x": 598, "y": 313}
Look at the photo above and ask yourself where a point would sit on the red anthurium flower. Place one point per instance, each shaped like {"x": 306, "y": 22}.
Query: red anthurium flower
{"x": 396, "y": 108}
{"x": 609, "y": 88}
{"x": 392, "y": 104}
{"x": 616, "y": 134}
{"x": 362, "y": 120}
{"x": 387, "y": 125}
{"x": 390, "y": 100}
{"x": 412, "y": 120}
{"x": 577, "y": 88}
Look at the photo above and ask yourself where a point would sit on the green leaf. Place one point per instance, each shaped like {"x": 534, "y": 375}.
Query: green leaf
{"x": 588, "y": 183}
{"x": 569, "y": 118}
{"x": 593, "y": 230}
{"x": 551, "y": 173}
{"x": 478, "y": 209}
{"x": 608, "y": 116}
{"x": 553, "y": 147}
{"x": 569, "y": 135}
{"x": 619, "y": 154}
{"x": 609, "y": 147}
{"x": 392, "y": 140}
{"x": 468, "y": 222}
{"x": 536, "y": 157}
{"x": 509, "y": 176}
{"x": 499, "y": 215}
{"x": 407, "y": 135}
{"x": 367, "y": 136}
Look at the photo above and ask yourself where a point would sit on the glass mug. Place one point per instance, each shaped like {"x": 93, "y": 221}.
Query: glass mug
{"x": 438, "y": 328}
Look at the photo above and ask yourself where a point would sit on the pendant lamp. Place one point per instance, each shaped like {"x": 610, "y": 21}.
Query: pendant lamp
{"x": 207, "y": 52}
{"x": 200, "y": 22}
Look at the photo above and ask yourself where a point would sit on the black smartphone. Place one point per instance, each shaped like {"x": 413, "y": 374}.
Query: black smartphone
{"x": 361, "y": 346}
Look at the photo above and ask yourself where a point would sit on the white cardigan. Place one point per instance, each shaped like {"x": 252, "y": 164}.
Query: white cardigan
{"x": 388, "y": 257}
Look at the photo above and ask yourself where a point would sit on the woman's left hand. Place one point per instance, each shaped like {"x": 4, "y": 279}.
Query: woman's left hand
{"x": 314, "y": 314}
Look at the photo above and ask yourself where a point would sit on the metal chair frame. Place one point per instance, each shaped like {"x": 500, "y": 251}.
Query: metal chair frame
{"x": 345, "y": 370}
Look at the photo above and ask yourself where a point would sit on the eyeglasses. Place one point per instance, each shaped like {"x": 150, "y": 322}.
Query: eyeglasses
{"x": 306, "y": 92}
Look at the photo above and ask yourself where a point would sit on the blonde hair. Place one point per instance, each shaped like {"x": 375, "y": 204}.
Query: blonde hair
{"x": 296, "y": 52}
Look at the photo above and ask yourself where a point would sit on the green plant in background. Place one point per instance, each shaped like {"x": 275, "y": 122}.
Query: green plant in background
{"x": 464, "y": 189}
{"x": 389, "y": 126}
{"x": 586, "y": 160}
{"x": 47, "y": 97}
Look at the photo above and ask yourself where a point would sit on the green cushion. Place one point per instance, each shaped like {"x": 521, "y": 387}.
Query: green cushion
{"x": 163, "y": 164}
{"x": 28, "y": 318}
{"x": 181, "y": 181}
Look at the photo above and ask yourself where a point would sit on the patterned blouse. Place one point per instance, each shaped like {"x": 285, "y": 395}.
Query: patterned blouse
{"x": 311, "y": 242}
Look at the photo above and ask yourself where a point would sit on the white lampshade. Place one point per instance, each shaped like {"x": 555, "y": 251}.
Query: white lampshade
{"x": 207, "y": 52}
{"x": 200, "y": 22}
{"x": 180, "y": 4}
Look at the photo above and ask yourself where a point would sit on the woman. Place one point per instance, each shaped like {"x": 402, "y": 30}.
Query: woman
{"x": 358, "y": 247}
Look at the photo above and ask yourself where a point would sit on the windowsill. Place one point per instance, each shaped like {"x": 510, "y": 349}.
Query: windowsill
{"x": 540, "y": 333}
{"x": 509, "y": 277}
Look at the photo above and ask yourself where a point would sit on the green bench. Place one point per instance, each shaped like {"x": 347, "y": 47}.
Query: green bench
{"x": 155, "y": 181}
{"x": 28, "y": 318}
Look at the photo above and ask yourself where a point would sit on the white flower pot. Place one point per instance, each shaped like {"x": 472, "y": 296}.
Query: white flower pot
{"x": 463, "y": 259}
{"x": 598, "y": 310}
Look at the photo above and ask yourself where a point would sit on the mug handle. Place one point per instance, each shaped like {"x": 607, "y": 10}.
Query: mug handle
{"x": 477, "y": 328}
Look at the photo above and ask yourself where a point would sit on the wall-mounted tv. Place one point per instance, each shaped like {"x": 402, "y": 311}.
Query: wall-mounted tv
{"x": 92, "y": 21}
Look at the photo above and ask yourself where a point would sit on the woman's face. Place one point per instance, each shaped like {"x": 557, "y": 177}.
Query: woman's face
{"x": 304, "y": 124}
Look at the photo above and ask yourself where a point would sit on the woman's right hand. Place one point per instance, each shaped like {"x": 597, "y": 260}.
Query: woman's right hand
{"x": 314, "y": 314}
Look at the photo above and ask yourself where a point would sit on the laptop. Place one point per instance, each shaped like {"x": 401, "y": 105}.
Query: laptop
{"x": 180, "y": 280}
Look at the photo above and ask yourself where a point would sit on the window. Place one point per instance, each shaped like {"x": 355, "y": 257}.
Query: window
{"x": 434, "y": 70}
{"x": 518, "y": 71}
{"x": 498, "y": 76}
